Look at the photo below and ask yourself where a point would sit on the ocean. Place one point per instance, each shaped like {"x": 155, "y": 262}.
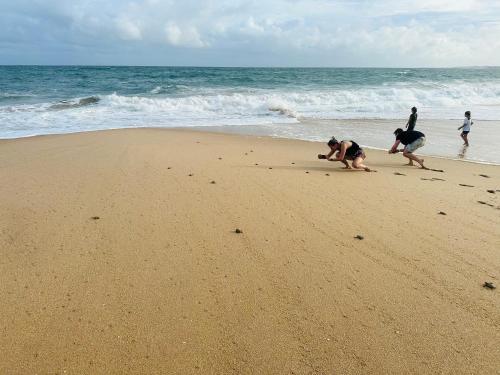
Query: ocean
{"x": 363, "y": 104}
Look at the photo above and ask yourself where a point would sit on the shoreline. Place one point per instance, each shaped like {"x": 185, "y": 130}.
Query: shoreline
{"x": 215, "y": 130}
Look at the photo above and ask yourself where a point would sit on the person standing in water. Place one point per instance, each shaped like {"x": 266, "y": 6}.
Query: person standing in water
{"x": 346, "y": 150}
{"x": 466, "y": 128}
{"x": 412, "y": 140}
{"x": 412, "y": 121}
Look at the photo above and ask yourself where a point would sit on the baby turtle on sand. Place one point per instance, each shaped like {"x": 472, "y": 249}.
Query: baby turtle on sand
{"x": 359, "y": 237}
{"x": 190, "y": 175}
{"x": 270, "y": 167}
{"x": 484, "y": 175}
{"x": 441, "y": 213}
{"x": 212, "y": 182}
{"x": 491, "y": 191}
{"x": 466, "y": 185}
{"x": 489, "y": 285}
{"x": 307, "y": 171}
{"x": 95, "y": 217}
{"x": 237, "y": 230}
{"x": 327, "y": 174}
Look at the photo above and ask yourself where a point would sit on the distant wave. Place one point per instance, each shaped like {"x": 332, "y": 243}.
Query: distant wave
{"x": 156, "y": 90}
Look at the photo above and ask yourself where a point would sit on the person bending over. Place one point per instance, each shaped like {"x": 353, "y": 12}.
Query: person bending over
{"x": 412, "y": 140}
{"x": 346, "y": 150}
{"x": 466, "y": 128}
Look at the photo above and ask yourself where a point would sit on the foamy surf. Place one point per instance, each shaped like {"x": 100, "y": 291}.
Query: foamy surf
{"x": 284, "y": 100}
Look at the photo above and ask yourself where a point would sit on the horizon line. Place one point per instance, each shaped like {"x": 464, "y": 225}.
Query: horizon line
{"x": 251, "y": 67}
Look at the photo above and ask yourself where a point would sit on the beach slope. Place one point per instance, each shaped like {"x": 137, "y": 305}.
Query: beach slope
{"x": 118, "y": 254}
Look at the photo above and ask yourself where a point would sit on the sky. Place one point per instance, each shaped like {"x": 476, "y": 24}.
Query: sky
{"x": 298, "y": 33}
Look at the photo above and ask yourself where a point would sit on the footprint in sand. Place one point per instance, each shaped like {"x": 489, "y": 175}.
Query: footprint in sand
{"x": 432, "y": 179}
{"x": 466, "y": 185}
{"x": 485, "y": 203}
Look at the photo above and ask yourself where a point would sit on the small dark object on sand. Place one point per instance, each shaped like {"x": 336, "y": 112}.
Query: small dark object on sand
{"x": 491, "y": 191}
{"x": 190, "y": 175}
{"x": 359, "y": 237}
{"x": 487, "y": 204}
{"x": 437, "y": 179}
{"x": 95, "y": 217}
{"x": 399, "y": 174}
{"x": 270, "y": 167}
{"x": 246, "y": 153}
{"x": 327, "y": 174}
{"x": 321, "y": 156}
{"x": 237, "y": 230}
{"x": 489, "y": 285}
{"x": 441, "y": 213}
{"x": 466, "y": 185}
{"x": 293, "y": 163}
{"x": 307, "y": 171}
{"x": 484, "y": 175}
{"x": 212, "y": 182}
{"x": 169, "y": 167}
{"x": 256, "y": 163}
{"x": 220, "y": 158}
{"x": 251, "y": 150}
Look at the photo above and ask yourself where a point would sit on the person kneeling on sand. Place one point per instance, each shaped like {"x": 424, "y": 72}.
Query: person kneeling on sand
{"x": 346, "y": 150}
{"x": 412, "y": 140}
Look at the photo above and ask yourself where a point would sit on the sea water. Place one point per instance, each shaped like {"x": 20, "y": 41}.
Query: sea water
{"x": 364, "y": 104}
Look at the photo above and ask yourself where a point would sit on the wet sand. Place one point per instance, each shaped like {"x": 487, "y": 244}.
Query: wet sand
{"x": 118, "y": 254}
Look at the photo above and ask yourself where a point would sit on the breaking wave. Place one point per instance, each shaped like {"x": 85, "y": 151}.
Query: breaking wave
{"x": 76, "y": 103}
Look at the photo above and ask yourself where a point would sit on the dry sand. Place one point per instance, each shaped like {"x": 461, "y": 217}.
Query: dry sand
{"x": 161, "y": 284}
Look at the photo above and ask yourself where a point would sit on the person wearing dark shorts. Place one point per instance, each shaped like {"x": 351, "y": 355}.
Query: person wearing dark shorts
{"x": 412, "y": 121}
{"x": 412, "y": 140}
{"x": 346, "y": 150}
{"x": 466, "y": 128}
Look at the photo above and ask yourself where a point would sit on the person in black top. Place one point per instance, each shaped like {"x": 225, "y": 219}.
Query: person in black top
{"x": 412, "y": 121}
{"x": 346, "y": 150}
{"x": 412, "y": 140}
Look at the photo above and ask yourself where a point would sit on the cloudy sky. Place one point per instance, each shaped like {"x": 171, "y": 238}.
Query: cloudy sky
{"x": 391, "y": 33}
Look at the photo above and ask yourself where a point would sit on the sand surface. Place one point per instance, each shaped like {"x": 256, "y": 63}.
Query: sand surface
{"x": 118, "y": 255}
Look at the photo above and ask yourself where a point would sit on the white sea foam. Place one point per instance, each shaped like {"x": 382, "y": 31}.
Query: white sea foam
{"x": 203, "y": 107}
{"x": 156, "y": 90}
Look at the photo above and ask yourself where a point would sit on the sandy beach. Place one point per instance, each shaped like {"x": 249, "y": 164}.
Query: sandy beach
{"x": 118, "y": 254}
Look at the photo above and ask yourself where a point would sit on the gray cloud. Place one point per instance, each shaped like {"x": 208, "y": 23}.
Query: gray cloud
{"x": 236, "y": 32}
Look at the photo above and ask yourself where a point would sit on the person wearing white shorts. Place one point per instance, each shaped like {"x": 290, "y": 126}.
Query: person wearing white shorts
{"x": 412, "y": 140}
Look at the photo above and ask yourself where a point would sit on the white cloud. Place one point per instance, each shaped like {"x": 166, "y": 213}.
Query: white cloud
{"x": 311, "y": 32}
{"x": 187, "y": 36}
{"x": 128, "y": 30}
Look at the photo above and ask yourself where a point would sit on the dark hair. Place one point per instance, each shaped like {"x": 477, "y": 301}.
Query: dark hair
{"x": 332, "y": 141}
{"x": 398, "y": 131}
{"x": 414, "y": 109}
{"x": 467, "y": 113}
